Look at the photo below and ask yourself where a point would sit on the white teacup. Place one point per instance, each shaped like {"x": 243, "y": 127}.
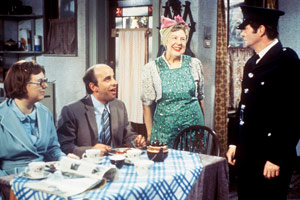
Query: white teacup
{"x": 117, "y": 160}
{"x": 92, "y": 154}
{"x": 134, "y": 154}
{"x": 143, "y": 166}
{"x": 36, "y": 169}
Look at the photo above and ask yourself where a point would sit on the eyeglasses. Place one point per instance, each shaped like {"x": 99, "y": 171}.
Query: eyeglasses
{"x": 42, "y": 82}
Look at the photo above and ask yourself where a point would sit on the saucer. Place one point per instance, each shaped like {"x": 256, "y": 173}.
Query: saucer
{"x": 27, "y": 175}
{"x": 95, "y": 161}
{"x": 129, "y": 161}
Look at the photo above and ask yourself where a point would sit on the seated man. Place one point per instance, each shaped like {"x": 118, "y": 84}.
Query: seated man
{"x": 97, "y": 121}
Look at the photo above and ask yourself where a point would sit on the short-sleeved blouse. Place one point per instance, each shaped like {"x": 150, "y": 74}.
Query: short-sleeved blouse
{"x": 151, "y": 83}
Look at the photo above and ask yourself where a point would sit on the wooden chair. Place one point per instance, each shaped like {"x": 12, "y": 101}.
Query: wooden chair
{"x": 199, "y": 139}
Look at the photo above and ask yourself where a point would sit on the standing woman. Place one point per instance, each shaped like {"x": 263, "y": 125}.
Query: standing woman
{"x": 175, "y": 83}
{"x": 27, "y": 131}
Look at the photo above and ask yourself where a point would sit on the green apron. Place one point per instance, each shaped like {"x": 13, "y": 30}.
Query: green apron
{"x": 179, "y": 107}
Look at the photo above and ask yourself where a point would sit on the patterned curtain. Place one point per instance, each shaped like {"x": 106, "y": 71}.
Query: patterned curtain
{"x": 62, "y": 36}
{"x": 222, "y": 77}
{"x": 132, "y": 57}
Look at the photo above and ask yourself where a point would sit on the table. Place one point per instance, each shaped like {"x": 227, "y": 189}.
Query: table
{"x": 213, "y": 182}
{"x": 187, "y": 178}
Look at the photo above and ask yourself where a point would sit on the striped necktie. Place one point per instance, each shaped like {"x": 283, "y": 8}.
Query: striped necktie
{"x": 106, "y": 127}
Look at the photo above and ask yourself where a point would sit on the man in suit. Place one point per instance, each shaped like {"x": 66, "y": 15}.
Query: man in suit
{"x": 264, "y": 146}
{"x": 98, "y": 120}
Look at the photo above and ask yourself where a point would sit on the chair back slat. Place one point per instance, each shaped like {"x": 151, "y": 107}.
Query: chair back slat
{"x": 200, "y": 139}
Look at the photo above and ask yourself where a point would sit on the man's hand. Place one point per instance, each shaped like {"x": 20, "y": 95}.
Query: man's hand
{"x": 230, "y": 155}
{"x": 271, "y": 170}
{"x": 102, "y": 147}
{"x": 140, "y": 141}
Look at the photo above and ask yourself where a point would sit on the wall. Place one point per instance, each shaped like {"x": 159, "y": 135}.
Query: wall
{"x": 205, "y": 15}
{"x": 67, "y": 72}
{"x": 289, "y": 24}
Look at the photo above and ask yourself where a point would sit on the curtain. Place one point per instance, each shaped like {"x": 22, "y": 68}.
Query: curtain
{"x": 132, "y": 57}
{"x": 222, "y": 77}
{"x": 237, "y": 59}
{"x": 62, "y": 36}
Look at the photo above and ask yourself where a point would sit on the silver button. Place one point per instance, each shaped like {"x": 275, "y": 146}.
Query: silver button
{"x": 262, "y": 83}
{"x": 242, "y": 122}
{"x": 243, "y": 106}
{"x": 269, "y": 134}
{"x": 284, "y": 49}
{"x": 250, "y": 75}
{"x": 246, "y": 90}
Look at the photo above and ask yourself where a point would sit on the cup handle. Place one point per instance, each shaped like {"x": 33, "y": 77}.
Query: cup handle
{"x": 84, "y": 155}
{"x": 26, "y": 169}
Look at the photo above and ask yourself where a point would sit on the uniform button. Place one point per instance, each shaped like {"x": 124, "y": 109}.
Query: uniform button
{"x": 246, "y": 90}
{"x": 262, "y": 83}
{"x": 243, "y": 106}
{"x": 250, "y": 75}
{"x": 242, "y": 122}
{"x": 269, "y": 134}
{"x": 284, "y": 49}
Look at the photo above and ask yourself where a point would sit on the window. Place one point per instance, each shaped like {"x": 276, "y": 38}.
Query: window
{"x": 60, "y": 27}
{"x": 134, "y": 17}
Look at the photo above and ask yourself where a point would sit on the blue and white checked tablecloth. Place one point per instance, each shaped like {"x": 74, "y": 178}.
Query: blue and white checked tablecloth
{"x": 171, "y": 179}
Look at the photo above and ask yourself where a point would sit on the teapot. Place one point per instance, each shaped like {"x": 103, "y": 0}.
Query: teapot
{"x": 157, "y": 151}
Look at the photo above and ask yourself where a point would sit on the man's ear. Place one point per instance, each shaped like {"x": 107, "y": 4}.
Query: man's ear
{"x": 93, "y": 87}
{"x": 261, "y": 30}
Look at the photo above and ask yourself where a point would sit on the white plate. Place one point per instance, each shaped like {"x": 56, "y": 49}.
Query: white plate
{"x": 98, "y": 161}
{"x": 27, "y": 175}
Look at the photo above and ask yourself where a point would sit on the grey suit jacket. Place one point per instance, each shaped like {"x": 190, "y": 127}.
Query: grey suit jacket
{"x": 77, "y": 128}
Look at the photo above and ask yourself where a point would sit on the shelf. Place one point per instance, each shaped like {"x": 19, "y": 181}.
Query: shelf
{"x": 20, "y": 17}
{"x": 10, "y": 26}
{"x": 21, "y": 52}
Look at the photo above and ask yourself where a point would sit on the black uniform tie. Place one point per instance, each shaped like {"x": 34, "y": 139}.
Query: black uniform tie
{"x": 253, "y": 61}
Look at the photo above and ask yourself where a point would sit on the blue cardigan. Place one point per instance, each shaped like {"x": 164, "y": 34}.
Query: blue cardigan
{"x": 16, "y": 149}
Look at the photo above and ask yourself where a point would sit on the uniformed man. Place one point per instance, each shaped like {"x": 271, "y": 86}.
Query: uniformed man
{"x": 264, "y": 146}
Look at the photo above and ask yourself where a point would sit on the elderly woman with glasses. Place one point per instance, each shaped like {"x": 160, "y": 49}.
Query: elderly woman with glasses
{"x": 27, "y": 131}
{"x": 174, "y": 82}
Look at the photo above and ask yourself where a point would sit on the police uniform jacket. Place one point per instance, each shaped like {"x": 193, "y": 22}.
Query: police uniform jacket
{"x": 266, "y": 125}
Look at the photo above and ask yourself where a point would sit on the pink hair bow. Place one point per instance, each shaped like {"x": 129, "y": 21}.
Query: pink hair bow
{"x": 167, "y": 22}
